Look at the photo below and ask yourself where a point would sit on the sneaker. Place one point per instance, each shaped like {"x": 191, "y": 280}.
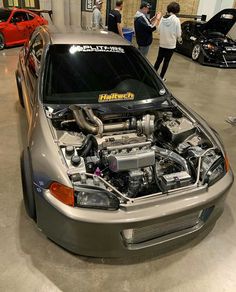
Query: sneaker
{"x": 231, "y": 120}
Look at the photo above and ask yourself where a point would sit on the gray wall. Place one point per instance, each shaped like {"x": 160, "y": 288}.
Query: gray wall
{"x": 66, "y": 12}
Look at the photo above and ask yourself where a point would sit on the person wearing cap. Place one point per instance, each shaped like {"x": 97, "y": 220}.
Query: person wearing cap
{"x": 97, "y": 16}
{"x": 170, "y": 33}
{"x": 114, "y": 19}
{"x": 144, "y": 27}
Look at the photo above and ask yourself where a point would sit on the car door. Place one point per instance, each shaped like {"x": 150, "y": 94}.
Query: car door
{"x": 15, "y": 31}
{"x": 32, "y": 69}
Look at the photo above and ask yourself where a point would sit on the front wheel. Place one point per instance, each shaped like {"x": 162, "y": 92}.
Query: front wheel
{"x": 2, "y": 42}
{"x": 196, "y": 52}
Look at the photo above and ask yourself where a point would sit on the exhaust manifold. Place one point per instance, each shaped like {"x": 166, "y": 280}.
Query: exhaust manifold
{"x": 93, "y": 124}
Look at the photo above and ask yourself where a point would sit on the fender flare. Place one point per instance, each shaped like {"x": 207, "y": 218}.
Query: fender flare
{"x": 27, "y": 184}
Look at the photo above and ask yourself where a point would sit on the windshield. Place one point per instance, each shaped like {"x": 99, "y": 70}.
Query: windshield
{"x": 4, "y": 15}
{"x": 90, "y": 74}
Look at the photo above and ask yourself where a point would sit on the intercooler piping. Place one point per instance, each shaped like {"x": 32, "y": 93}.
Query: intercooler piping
{"x": 174, "y": 156}
{"x": 97, "y": 126}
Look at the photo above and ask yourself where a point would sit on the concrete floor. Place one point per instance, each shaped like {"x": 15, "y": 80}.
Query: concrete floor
{"x": 31, "y": 262}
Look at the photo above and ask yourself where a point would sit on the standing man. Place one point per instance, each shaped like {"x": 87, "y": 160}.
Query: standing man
{"x": 114, "y": 19}
{"x": 145, "y": 27}
{"x": 170, "y": 32}
{"x": 97, "y": 16}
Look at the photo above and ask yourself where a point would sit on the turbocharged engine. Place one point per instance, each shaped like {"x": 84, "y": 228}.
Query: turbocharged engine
{"x": 135, "y": 154}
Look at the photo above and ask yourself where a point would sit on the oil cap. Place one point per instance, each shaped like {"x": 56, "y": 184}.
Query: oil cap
{"x": 69, "y": 150}
{"x": 75, "y": 160}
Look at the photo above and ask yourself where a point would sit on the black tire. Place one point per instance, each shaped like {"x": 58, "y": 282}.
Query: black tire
{"x": 196, "y": 52}
{"x": 27, "y": 184}
{"x": 2, "y": 42}
{"x": 20, "y": 93}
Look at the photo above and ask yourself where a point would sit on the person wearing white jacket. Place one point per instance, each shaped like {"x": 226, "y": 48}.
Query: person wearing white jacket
{"x": 170, "y": 32}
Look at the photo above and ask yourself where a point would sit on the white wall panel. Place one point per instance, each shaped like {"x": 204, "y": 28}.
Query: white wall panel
{"x": 211, "y": 7}
{"x": 226, "y": 4}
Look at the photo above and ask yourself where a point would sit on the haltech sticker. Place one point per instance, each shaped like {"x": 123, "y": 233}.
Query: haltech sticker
{"x": 116, "y": 97}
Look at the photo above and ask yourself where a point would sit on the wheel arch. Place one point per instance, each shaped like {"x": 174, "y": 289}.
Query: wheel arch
{"x": 27, "y": 183}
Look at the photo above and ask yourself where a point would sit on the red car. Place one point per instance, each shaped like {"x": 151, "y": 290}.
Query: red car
{"x": 16, "y": 26}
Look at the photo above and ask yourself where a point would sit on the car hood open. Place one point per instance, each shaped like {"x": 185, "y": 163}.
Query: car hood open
{"x": 222, "y": 21}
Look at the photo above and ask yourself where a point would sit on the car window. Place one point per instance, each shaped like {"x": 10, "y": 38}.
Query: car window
{"x": 4, "y": 15}
{"x": 93, "y": 73}
{"x": 34, "y": 57}
{"x": 19, "y": 17}
{"x": 30, "y": 16}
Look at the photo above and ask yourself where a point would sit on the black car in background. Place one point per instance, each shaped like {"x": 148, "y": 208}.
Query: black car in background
{"x": 213, "y": 42}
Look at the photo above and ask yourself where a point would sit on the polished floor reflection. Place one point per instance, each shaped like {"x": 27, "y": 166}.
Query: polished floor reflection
{"x": 31, "y": 262}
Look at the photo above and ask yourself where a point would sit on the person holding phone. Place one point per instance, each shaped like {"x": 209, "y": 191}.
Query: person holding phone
{"x": 144, "y": 27}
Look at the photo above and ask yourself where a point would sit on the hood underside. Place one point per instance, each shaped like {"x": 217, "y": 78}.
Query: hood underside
{"x": 222, "y": 22}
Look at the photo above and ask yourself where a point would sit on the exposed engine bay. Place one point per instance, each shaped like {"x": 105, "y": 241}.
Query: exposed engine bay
{"x": 221, "y": 40}
{"x": 134, "y": 154}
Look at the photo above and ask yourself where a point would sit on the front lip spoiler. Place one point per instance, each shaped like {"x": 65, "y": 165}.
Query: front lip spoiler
{"x": 229, "y": 65}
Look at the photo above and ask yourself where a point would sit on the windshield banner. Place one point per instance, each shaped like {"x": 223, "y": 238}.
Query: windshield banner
{"x": 96, "y": 49}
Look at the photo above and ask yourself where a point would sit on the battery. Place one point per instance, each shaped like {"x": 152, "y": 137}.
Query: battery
{"x": 175, "y": 180}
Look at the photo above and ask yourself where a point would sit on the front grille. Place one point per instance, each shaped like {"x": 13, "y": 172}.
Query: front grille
{"x": 139, "y": 235}
{"x": 230, "y": 57}
{"x": 230, "y": 49}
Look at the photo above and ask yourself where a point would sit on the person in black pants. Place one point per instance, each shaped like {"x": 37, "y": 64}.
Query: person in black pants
{"x": 163, "y": 54}
{"x": 170, "y": 32}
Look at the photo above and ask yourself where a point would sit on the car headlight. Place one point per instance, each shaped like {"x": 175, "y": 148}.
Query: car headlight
{"x": 216, "y": 171}
{"x": 210, "y": 47}
{"x": 96, "y": 199}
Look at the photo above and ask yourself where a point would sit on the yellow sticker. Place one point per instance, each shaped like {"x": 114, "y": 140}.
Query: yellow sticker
{"x": 116, "y": 97}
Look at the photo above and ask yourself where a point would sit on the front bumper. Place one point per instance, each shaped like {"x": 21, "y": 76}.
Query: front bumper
{"x": 222, "y": 61}
{"x": 99, "y": 233}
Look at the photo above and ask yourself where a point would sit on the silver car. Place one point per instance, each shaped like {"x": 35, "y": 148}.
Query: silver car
{"x": 114, "y": 164}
